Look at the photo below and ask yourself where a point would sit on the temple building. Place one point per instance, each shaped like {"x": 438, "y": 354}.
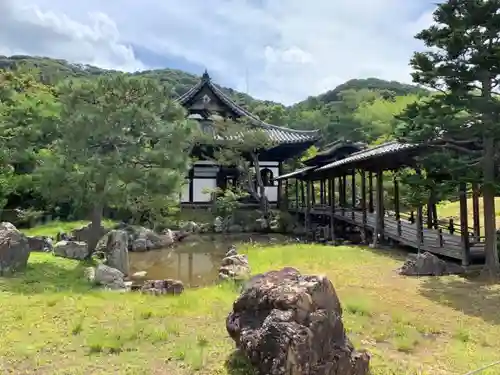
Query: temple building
{"x": 204, "y": 102}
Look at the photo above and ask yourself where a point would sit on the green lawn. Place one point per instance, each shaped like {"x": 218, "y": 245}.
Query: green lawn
{"x": 53, "y": 323}
{"x": 452, "y": 210}
{"x": 54, "y": 227}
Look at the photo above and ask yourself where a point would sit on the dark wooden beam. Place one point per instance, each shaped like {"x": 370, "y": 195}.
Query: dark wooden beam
{"x": 296, "y": 195}
{"x": 396, "y": 204}
{"x": 475, "y": 212}
{"x": 280, "y": 185}
{"x": 191, "y": 185}
{"x": 370, "y": 192}
{"x": 353, "y": 191}
{"x": 464, "y": 225}
{"x": 331, "y": 203}
{"x": 363, "y": 205}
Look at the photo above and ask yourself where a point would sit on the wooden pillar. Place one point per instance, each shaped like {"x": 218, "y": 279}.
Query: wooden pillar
{"x": 420, "y": 228}
{"x": 321, "y": 191}
{"x": 435, "y": 216}
{"x": 313, "y": 194}
{"x": 344, "y": 193}
{"x": 396, "y": 205}
{"x": 280, "y": 185}
{"x": 191, "y": 185}
{"x": 308, "y": 206}
{"x": 353, "y": 192}
{"x": 379, "y": 219}
{"x": 370, "y": 192}
{"x": 363, "y": 205}
{"x": 302, "y": 196}
{"x": 332, "y": 217}
{"x": 296, "y": 195}
{"x": 430, "y": 221}
{"x": 330, "y": 205}
{"x": 283, "y": 203}
{"x": 464, "y": 225}
{"x": 475, "y": 211}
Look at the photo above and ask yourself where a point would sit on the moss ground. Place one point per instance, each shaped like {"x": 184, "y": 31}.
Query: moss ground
{"x": 54, "y": 227}
{"x": 52, "y": 322}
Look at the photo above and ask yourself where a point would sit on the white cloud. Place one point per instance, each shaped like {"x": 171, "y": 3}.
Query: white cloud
{"x": 290, "y": 49}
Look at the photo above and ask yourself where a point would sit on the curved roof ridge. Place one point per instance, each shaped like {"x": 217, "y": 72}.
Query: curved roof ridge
{"x": 247, "y": 113}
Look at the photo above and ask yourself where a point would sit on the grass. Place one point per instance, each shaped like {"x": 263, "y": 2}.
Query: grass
{"x": 54, "y": 227}
{"x": 452, "y": 210}
{"x": 54, "y": 323}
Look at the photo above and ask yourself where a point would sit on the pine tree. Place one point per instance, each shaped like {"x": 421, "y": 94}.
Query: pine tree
{"x": 463, "y": 66}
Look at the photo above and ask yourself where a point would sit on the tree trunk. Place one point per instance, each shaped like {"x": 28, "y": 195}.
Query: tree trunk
{"x": 96, "y": 217}
{"x": 490, "y": 245}
{"x": 264, "y": 203}
{"x": 489, "y": 189}
{"x": 95, "y": 226}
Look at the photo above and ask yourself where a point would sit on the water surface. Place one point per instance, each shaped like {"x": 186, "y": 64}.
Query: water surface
{"x": 195, "y": 261}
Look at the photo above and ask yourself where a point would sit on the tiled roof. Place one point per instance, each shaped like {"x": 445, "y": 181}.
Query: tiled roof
{"x": 381, "y": 150}
{"x": 276, "y": 133}
{"x": 295, "y": 173}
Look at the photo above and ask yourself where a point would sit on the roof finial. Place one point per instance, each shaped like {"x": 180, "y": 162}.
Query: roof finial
{"x": 205, "y": 76}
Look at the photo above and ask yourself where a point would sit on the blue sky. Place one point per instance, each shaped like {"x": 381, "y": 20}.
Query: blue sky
{"x": 288, "y": 49}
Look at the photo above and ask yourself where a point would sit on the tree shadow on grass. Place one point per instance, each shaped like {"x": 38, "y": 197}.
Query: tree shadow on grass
{"x": 473, "y": 296}
{"x": 238, "y": 364}
{"x": 48, "y": 277}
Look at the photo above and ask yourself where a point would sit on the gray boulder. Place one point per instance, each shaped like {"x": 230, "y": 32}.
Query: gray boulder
{"x": 40, "y": 243}
{"x": 163, "y": 287}
{"x": 234, "y": 267}
{"x": 190, "y": 227}
{"x": 71, "y": 250}
{"x": 109, "y": 277}
{"x": 115, "y": 247}
{"x": 286, "y": 323}
{"x": 14, "y": 249}
{"x": 427, "y": 264}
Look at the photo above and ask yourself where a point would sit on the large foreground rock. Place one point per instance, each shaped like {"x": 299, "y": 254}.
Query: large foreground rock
{"x": 115, "y": 247}
{"x": 427, "y": 264}
{"x": 286, "y": 323}
{"x": 71, "y": 250}
{"x": 14, "y": 249}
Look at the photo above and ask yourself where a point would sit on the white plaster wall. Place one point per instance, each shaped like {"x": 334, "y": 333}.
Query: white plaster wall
{"x": 201, "y": 184}
{"x": 272, "y": 193}
{"x": 268, "y": 163}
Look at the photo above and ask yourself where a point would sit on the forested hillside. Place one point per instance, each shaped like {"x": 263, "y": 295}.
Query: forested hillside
{"x": 359, "y": 109}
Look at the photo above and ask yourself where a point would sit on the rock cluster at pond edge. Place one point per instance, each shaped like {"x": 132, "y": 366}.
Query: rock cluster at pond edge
{"x": 287, "y": 323}
{"x": 234, "y": 266}
{"x": 71, "y": 250}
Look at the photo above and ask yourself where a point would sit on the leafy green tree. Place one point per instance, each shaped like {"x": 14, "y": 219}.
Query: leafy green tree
{"x": 238, "y": 144}
{"x": 463, "y": 64}
{"x": 118, "y": 137}
{"x": 378, "y": 118}
{"x": 27, "y": 109}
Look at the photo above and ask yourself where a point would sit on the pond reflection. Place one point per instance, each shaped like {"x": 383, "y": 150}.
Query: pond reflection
{"x": 194, "y": 262}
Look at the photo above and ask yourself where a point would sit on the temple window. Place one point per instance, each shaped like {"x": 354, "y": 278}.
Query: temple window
{"x": 267, "y": 177}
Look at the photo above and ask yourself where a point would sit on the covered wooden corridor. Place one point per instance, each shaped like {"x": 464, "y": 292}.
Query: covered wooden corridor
{"x": 347, "y": 191}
